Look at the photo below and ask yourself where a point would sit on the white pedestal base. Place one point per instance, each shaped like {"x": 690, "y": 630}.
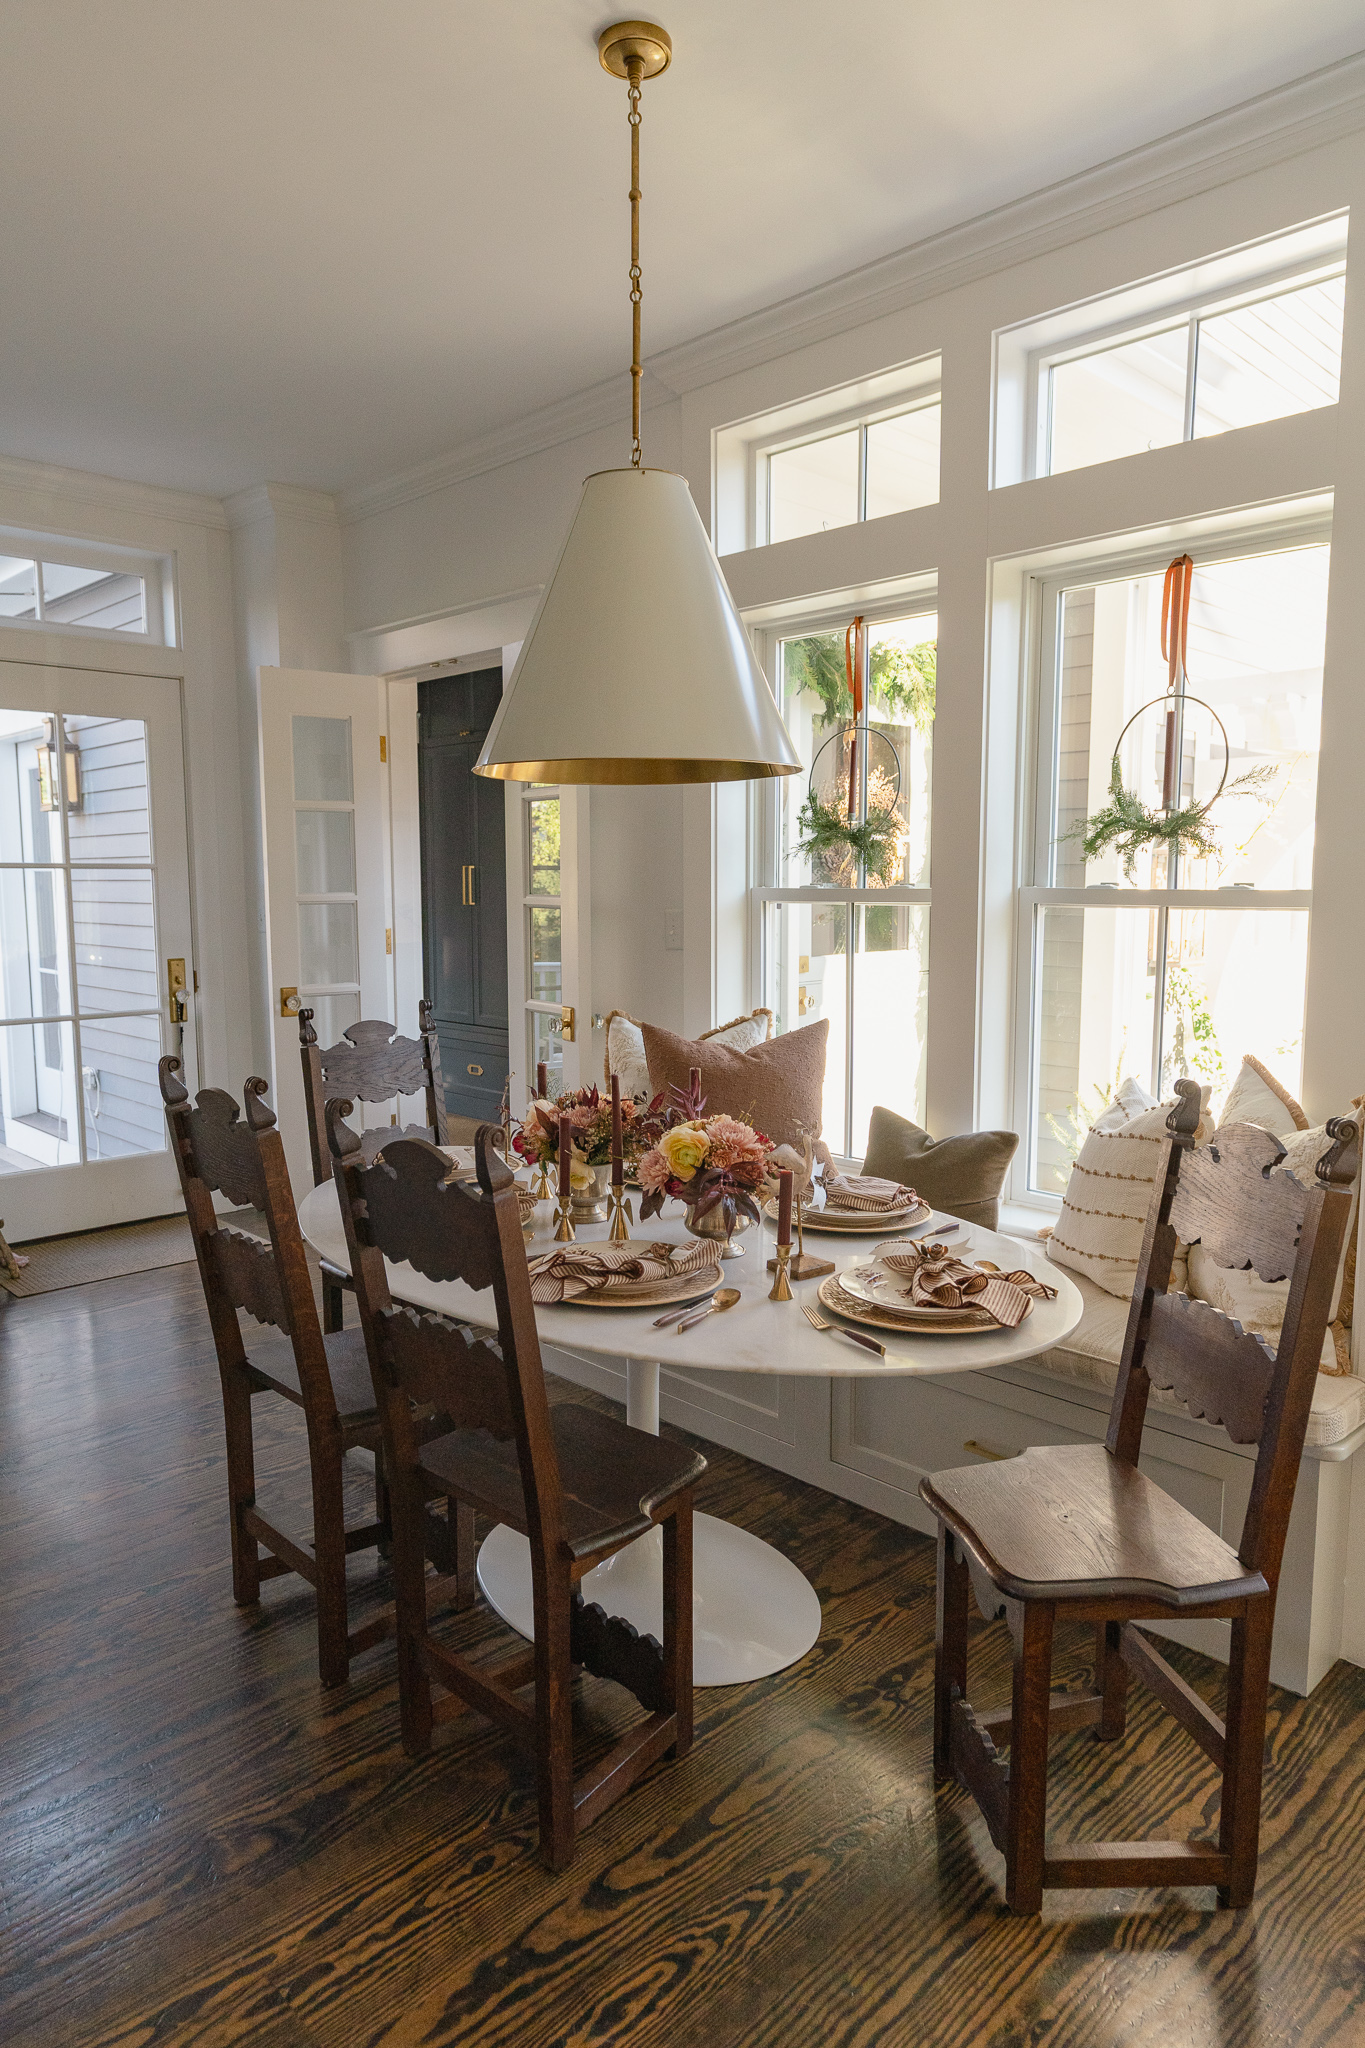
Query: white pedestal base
{"x": 753, "y": 1612}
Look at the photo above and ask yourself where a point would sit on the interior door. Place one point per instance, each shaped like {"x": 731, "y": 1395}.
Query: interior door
{"x": 94, "y": 924}
{"x": 327, "y": 891}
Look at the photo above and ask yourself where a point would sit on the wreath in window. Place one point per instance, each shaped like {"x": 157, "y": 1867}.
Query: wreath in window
{"x": 1127, "y": 824}
{"x": 851, "y": 824}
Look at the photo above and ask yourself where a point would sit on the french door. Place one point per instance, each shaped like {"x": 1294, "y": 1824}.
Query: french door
{"x": 96, "y": 949}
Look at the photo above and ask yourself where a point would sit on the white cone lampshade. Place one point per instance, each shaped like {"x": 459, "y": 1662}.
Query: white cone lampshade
{"x": 636, "y": 667}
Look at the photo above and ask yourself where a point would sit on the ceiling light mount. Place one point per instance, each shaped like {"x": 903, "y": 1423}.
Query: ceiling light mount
{"x": 645, "y": 41}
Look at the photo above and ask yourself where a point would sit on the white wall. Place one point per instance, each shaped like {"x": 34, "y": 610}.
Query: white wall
{"x": 427, "y": 555}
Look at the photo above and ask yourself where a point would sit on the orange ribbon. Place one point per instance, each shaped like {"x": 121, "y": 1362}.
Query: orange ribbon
{"x": 854, "y": 654}
{"x": 1175, "y": 633}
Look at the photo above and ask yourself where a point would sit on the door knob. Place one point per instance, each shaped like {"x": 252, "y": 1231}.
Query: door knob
{"x": 289, "y": 1002}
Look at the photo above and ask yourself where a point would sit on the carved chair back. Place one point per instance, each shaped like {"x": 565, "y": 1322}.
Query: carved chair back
{"x": 371, "y": 1062}
{"x": 406, "y": 1205}
{"x": 1226, "y": 1196}
{"x": 216, "y": 1152}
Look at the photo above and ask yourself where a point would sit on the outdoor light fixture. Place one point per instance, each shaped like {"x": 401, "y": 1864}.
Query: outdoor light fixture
{"x": 636, "y": 668}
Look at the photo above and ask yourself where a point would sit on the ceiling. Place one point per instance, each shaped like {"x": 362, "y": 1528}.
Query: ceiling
{"x": 317, "y": 242}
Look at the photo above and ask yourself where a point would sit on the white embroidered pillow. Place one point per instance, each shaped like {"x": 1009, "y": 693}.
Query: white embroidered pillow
{"x": 1104, "y": 1209}
{"x": 1256, "y": 1097}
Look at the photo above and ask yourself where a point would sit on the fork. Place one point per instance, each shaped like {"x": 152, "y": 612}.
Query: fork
{"x": 822, "y": 1323}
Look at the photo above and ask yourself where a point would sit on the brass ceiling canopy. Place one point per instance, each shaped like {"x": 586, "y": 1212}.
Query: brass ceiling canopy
{"x": 636, "y": 667}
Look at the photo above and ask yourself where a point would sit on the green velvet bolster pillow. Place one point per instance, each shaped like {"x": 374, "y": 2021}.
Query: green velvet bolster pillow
{"x": 962, "y": 1176}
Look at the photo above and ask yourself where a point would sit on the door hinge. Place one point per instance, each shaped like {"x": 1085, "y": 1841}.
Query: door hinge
{"x": 566, "y": 1023}
{"x": 175, "y": 990}
{"x": 383, "y": 747}
{"x": 388, "y": 938}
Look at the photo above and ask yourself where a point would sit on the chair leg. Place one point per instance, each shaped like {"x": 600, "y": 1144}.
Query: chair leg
{"x": 678, "y": 1621}
{"x": 1031, "y": 1628}
{"x": 410, "y": 1613}
{"x": 950, "y": 1648}
{"x": 329, "y": 1548}
{"x": 466, "y": 1553}
{"x": 383, "y": 1504}
{"x": 1239, "y": 1830}
{"x": 333, "y": 1305}
{"x": 1111, "y": 1681}
{"x": 554, "y": 1713}
{"x": 241, "y": 1472}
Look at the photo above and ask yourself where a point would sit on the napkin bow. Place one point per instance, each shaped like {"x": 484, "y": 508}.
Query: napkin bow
{"x": 939, "y": 1279}
{"x": 865, "y": 1191}
{"x": 577, "y": 1269}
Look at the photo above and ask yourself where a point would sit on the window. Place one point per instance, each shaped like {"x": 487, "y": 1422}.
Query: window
{"x": 863, "y": 471}
{"x": 80, "y": 1030}
{"x": 543, "y": 915}
{"x": 1188, "y": 963}
{"x": 64, "y": 594}
{"x": 1201, "y": 375}
{"x": 841, "y": 934}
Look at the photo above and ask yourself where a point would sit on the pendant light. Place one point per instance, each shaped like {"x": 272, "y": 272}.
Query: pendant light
{"x": 636, "y": 668}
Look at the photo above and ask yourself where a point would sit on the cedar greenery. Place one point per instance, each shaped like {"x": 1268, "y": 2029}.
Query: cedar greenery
{"x": 826, "y": 830}
{"x": 903, "y": 680}
{"x": 1126, "y": 823}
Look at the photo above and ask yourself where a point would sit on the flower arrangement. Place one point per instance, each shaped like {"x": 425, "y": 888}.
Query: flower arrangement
{"x": 537, "y": 1136}
{"x": 709, "y": 1162}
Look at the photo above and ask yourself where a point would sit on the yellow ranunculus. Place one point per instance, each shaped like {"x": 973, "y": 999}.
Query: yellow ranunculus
{"x": 684, "y": 1147}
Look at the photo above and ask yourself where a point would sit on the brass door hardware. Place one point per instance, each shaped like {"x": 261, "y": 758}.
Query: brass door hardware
{"x": 468, "y": 879}
{"x": 566, "y": 1023}
{"x": 175, "y": 990}
{"x": 980, "y": 1450}
{"x": 289, "y": 1002}
{"x": 383, "y": 747}
{"x": 388, "y": 938}
{"x": 473, "y": 1069}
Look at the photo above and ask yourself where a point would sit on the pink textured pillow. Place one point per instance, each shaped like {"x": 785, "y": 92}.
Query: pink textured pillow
{"x": 779, "y": 1086}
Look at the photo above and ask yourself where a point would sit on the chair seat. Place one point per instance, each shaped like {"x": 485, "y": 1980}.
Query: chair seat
{"x": 1070, "y": 1522}
{"x": 273, "y": 1357}
{"x": 614, "y": 1479}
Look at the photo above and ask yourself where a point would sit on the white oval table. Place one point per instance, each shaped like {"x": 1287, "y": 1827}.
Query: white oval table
{"x": 755, "y": 1613}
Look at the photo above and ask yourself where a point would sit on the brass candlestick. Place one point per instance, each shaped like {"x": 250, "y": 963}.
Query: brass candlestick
{"x": 781, "y": 1287}
{"x": 541, "y": 1190}
{"x": 565, "y": 1233}
{"x": 805, "y": 1265}
{"x": 621, "y": 1218}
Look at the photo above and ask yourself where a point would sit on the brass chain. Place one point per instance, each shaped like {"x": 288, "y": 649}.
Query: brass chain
{"x": 634, "y": 73}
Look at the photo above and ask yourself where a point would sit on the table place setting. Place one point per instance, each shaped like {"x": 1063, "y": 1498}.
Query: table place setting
{"x": 630, "y": 1275}
{"x": 927, "y": 1288}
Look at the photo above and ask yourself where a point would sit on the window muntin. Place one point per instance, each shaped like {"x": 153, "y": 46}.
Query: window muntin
{"x": 1207, "y": 960}
{"x": 863, "y": 470}
{"x": 1207, "y": 372}
{"x": 836, "y": 942}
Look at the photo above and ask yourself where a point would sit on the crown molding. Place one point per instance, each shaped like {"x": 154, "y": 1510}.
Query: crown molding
{"x": 110, "y": 493}
{"x": 1253, "y": 135}
{"x": 260, "y": 501}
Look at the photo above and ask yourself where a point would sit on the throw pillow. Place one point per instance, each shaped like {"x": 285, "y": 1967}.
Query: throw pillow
{"x": 962, "y": 1176}
{"x": 1256, "y": 1097}
{"x": 778, "y": 1085}
{"x": 625, "y": 1053}
{"x": 1104, "y": 1209}
{"x": 1130, "y": 1100}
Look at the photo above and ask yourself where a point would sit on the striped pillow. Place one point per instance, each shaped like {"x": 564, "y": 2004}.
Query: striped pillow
{"x": 1104, "y": 1209}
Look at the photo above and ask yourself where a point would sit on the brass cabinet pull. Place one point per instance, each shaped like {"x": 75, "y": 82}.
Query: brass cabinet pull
{"x": 467, "y": 890}
{"x": 981, "y": 1450}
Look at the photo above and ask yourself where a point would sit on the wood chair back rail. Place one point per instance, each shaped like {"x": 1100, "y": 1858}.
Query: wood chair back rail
{"x": 1226, "y": 1196}
{"x": 407, "y": 1206}
{"x": 216, "y": 1149}
{"x": 371, "y": 1062}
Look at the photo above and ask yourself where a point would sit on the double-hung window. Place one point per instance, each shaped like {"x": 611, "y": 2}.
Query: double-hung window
{"x": 864, "y": 469}
{"x": 843, "y": 933}
{"x": 1186, "y": 963}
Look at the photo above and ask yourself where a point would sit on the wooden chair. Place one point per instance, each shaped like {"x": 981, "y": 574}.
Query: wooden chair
{"x": 369, "y": 1063}
{"x": 1078, "y": 1531}
{"x": 326, "y": 1374}
{"x": 578, "y": 1484}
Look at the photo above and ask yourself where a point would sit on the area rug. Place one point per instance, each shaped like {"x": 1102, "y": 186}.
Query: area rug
{"x": 55, "y": 1262}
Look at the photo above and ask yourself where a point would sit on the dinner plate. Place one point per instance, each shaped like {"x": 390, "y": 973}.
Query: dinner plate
{"x": 862, "y": 1222}
{"x": 878, "y": 1285}
{"x": 683, "y": 1287}
{"x": 920, "y": 1323}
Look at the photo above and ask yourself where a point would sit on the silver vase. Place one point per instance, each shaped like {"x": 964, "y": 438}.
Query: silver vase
{"x": 712, "y": 1226}
{"x": 590, "y": 1204}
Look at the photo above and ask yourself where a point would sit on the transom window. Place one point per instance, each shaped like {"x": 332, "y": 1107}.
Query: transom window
{"x": 112, "y": 593}
{"x": 864, "y": 470}
{"x": 1185, "y": 964}
{"x": 843, "y": 931}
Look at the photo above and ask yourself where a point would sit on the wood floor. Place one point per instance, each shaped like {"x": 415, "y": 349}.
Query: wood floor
{"x": 200, "y": 1847}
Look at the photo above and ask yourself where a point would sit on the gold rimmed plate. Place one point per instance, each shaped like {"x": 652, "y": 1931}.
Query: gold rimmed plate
{"x": 862, "y": 1222}
{"x": 684, "y": 1287}
{"x": 944, "y": 1322}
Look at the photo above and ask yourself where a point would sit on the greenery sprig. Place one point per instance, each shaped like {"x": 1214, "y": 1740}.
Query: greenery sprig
{"x": 903, "y": 681}
{"x": 878, "y": 843}
{"x": 1128, "y": 825}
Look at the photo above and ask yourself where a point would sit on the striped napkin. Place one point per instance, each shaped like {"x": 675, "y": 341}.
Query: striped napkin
{"x": 938, "y": 1279}
{"x": 864, "y": 1191}
{"x": 573, "y": 1270}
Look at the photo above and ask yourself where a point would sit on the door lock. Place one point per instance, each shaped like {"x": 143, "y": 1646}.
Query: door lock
{"x": 289, "y": 1002}
{"x": 175, "y": 990}
{"x": 566, "y": 1024}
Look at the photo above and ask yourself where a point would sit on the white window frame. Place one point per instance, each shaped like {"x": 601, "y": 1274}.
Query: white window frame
{"x": 1037, "y": 787}
{"x": 761, "y": 452}
{"x": 155, "y": 572}
{"x": 765, "y": 820}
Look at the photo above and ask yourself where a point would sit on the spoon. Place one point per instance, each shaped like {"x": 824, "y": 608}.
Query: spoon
{"x": 723, "y": 1298}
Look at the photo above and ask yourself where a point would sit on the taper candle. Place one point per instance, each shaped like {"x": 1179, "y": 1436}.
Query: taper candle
{"x": 784, "y": 1205}
{"x": 618, "y": 1165}
{"x": 565, "y": 1155}
{"x": 694, "y": 1080}
{"x": 542, "y": 1081}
